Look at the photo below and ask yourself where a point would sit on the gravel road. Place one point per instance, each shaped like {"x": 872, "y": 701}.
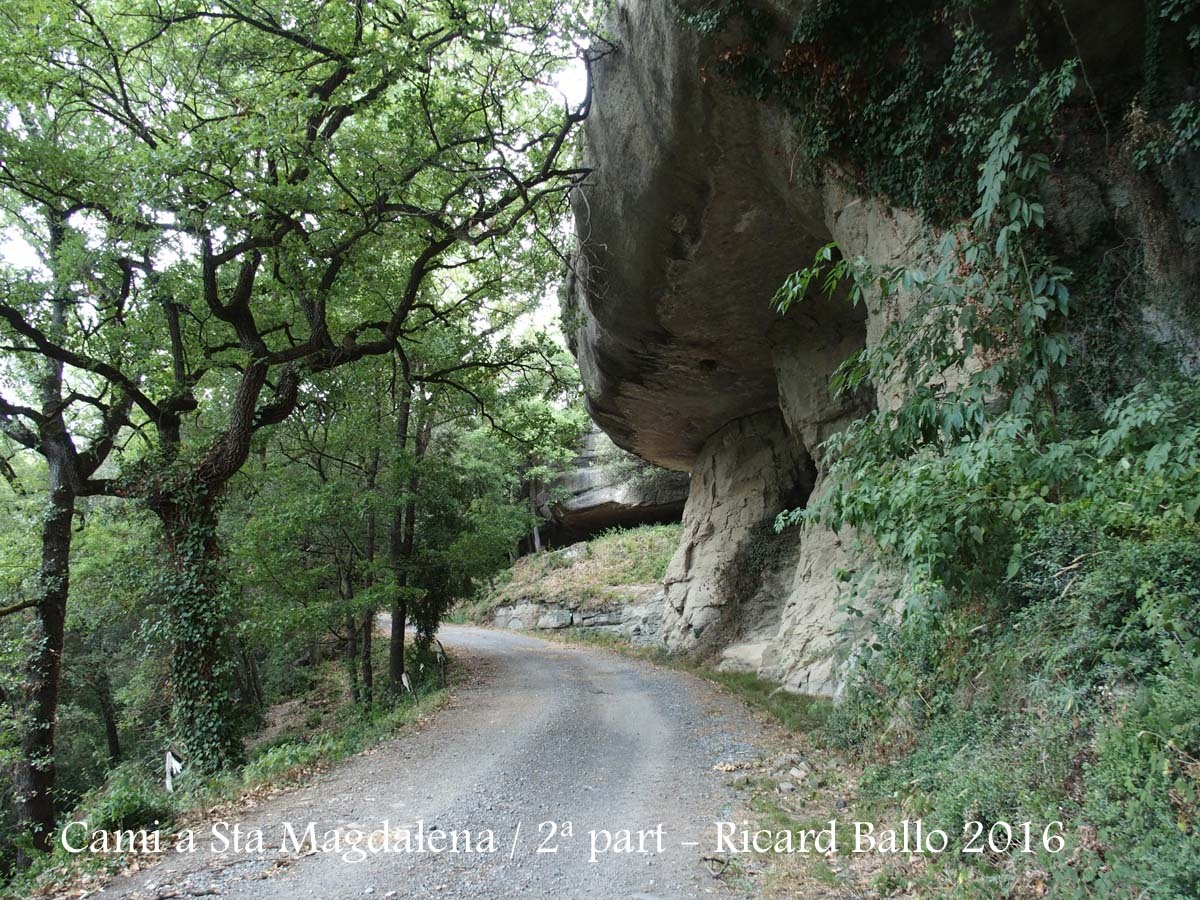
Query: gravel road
{"x": 547, "y": 733}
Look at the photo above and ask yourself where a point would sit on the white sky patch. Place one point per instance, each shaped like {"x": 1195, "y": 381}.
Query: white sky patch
{"x": 571, "y": 82}
{"x": 16, "y": 252}
{"x": 543, "y": 317}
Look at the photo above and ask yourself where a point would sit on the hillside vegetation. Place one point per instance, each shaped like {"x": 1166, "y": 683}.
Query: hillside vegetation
{"x": 268, "y": 365}
{"x": 617, "y": 566}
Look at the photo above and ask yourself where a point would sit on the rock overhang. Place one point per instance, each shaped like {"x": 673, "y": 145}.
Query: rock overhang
{"x": 688, "y": 225}
{"x": 698, "y": 208}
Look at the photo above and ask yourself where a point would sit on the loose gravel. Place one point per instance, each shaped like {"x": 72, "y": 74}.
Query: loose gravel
{"x": 547, "y": 733}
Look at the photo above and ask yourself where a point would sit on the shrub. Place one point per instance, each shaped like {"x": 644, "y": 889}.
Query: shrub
{"x": 1071, "y": 692}
{"x": 283, "y": 760}
{"x": 1143, "y": 791}
{"x": 129, "y": 799}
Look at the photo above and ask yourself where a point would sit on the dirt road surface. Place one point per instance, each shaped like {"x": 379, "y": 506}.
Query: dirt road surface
{"x": 546, "y": 733}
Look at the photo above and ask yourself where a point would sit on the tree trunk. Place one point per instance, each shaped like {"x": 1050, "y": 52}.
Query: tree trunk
{"x": 194, "y": 592}
{"x": 197, "y": 601}
{"x": 368, "y": 624}
{"x": 396, "y": 646}
{"x": 368, "y": 674}
{"x": 397, "y": 555}
{"x": 33, "y": 780}
{"x": 108, "y": 711}
{"x": 351, "y": 651}
{"x": 346, "y": 594}
{"x": 402, "y": 550}
{"x": 251, "y": 678}
{"x": 536, "y": 534}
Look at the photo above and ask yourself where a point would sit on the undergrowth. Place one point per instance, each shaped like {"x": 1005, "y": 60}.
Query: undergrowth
{"x": 1070, "y": 692}
{"x": 1033, "y": 468}
{"x": 134, "y": 798}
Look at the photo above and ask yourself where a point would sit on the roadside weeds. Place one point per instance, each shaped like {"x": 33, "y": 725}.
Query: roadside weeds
{"x": 286, "y": 764}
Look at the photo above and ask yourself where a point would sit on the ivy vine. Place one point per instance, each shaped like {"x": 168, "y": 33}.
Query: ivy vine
{"x": 902, "y": 97}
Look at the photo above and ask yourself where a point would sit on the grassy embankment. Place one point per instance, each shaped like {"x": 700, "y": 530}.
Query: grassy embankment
{"x": 619, "y": 566}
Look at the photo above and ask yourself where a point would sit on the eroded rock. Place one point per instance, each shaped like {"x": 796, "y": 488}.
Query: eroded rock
{"x": 745, "y": 473}
{"x": 607, "y": 487}
{"x": 694, "y": 216}
{"x": 686, "y": 236}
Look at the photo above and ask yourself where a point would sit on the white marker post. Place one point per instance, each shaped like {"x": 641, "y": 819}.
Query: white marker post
{"x": 173, "y": 762}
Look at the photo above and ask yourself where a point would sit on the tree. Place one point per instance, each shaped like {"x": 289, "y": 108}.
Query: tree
{"x": 308, "y": 519}
{"x": 461, "y": 371}
{"x": 276, "y": 187}
{"x": 382, "y": 450}
{"x": 73, "y": 429}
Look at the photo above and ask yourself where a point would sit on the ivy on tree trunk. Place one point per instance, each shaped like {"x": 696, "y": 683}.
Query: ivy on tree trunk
{"x": 197, "y": 599}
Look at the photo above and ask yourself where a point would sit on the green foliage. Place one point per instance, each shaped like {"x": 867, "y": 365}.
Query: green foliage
{"x": 795, "y": 712}
{"x": 905, "y": 96}
{"x": 198, "y": 602}
{"x": 360, "y": 182}
{"x": 1142, "y": 790}
{"x": 346, "y": 728}
{"x": 128, "y": 800}
{"x": 1164, "y": 133}
{"x": 1051, "y": 556}
{"x": 282, "y": 761}
{"x": 901, "y": 98}
{"x": 972, "y": 357}
{"x": 312, "y": 544}
{"x": 1041, "y": 508}
{"x": 1070, "y": 692}
{"x": 636, "y": 555}
{"x": 1052, "y": 572}
{"x": 375, "y": 184}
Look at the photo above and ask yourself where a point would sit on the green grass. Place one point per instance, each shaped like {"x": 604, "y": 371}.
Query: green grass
{"x": 1068, "y": 693}
{"x": 795, "y": 712}
{"x": 634, "y": 555}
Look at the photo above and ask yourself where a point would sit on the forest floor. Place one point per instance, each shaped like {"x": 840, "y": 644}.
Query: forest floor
{"x": 602, "y": 746}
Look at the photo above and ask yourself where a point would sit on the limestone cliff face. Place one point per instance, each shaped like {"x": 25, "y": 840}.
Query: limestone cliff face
{"x": 607, "y": 487}
{"x": 693, "y": 217}
{"x": 745, "y": 473}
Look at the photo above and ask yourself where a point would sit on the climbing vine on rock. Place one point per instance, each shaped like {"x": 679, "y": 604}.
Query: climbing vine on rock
{"x": 1164, "y": 124}
{"x": 972, "y": 358}
{"x": 1046, "y": 530}
{"x": 902, "y": 96}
